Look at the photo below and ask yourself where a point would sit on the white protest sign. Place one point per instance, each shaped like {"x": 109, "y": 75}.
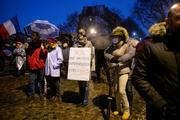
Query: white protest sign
{"x": 79, "y": 64}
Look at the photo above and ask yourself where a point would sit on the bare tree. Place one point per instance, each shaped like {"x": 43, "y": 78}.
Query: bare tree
{"x": 114, "y": 18}
{"x": 133, "y": 28}
{"x": 71, "y": 23}
{"x": 150, "y": 11}
{"x": 105, "y": 21}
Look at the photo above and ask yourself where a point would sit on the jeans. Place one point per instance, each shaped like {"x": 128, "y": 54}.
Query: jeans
{"x": 36, "y": 82}
{"x": 83, "y": 91}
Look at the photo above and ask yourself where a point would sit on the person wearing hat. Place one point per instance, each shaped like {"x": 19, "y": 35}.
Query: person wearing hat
{"x": 52, "y": 68}
{"x": 120, "y": 51}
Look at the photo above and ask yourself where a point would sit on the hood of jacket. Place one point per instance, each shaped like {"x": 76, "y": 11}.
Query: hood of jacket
{"x": 158, "y": 29}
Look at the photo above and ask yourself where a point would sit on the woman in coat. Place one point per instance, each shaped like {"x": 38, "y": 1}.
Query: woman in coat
{"x": 52, "y": 68}
{"x": 121, "y": 51}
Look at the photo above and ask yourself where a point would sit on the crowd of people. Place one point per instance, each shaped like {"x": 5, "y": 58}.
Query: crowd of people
{"x": 152, "y": 65}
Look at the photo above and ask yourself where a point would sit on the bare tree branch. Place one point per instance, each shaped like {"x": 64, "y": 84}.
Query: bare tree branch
{"x": 149, "y": 12}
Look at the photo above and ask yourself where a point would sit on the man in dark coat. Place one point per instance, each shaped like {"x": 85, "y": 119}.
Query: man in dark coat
{"x": 156, "y": 74}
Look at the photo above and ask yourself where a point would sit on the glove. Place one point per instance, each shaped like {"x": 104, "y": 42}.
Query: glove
{"x": 114, "y": 59}
{"x": 111, "y": 65}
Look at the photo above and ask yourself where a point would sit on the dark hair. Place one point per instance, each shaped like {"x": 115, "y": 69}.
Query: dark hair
{"x": 37, "y": 34}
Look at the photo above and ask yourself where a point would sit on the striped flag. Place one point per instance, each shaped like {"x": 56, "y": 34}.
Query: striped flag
{"x": 9, "y": 28}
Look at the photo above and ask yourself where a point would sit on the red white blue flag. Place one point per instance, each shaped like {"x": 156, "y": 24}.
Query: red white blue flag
{"x": 9, "y": 27}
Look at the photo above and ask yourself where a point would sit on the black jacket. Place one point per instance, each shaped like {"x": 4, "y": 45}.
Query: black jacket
{"x": 156, "y": 74}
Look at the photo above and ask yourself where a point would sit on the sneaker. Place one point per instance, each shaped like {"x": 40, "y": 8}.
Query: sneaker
{"x": 84, "y": 104}
{"x": 115, "y": 113}
{"x": 125, "y": 115}
{"x": 36, "y": 96}
{"x": 42, "y": 97}
{"x": 59, "y": 99}
{"x": 56, "y": 99}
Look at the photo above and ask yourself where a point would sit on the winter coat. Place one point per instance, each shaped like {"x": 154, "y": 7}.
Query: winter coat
{"x": 125, "y": 53}
{"x": 35, "y": 55}
{"x": 65, "y": 52}
{"x": 156, "y": 74}
{"x": 53, "y": 62}
{"x": 37, "y": 59}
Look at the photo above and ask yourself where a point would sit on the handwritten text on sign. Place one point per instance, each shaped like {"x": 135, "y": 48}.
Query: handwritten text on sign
{"x": 79, "y": 64}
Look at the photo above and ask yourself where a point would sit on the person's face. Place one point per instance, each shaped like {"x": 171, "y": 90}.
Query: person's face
{"x": 34, "y": 36}
{"x": 80, "y": 35}
{"x": 174, "y": 20}
{"x": 52, "y": 45}
{"x": 65, "y": 45}
{"x": 117, "y": 40}
{"x": 18, "y": 45}
{"x": 45, "y": 44}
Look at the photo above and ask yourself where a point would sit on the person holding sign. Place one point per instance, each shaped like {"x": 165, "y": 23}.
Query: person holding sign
{"x": 82, "y": 42}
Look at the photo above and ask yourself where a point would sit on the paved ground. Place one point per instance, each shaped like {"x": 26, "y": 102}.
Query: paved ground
{"x": 14, "y": 104}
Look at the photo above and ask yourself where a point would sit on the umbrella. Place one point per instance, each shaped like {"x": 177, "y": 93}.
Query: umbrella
{"x": 43, "y": 27}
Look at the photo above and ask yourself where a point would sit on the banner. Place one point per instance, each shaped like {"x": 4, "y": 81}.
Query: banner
{"x": 79, "y": 64}
{"x": 9, "y": 28}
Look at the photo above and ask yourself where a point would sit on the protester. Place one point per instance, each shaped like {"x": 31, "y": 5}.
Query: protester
{"x": 19, "y": 54}
{"x": 52, "y": 69}
{"x": 100, "y": 63}
{"x": 157, "y": 68}
{"x": 83, "y": 85}
{"x": 121, "y": 51}
{"x": 36, "y": 55}
{"x": 65, "y": 51}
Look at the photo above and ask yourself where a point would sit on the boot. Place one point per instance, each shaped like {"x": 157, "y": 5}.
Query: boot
{"x": 125, "y": 115}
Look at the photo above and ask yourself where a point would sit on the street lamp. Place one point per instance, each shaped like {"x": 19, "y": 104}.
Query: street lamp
{"x": 92, "y": 31}
{"x": 134, "y": 34}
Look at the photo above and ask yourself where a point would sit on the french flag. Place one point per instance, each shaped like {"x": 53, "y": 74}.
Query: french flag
{"x": 9, "y": 28}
